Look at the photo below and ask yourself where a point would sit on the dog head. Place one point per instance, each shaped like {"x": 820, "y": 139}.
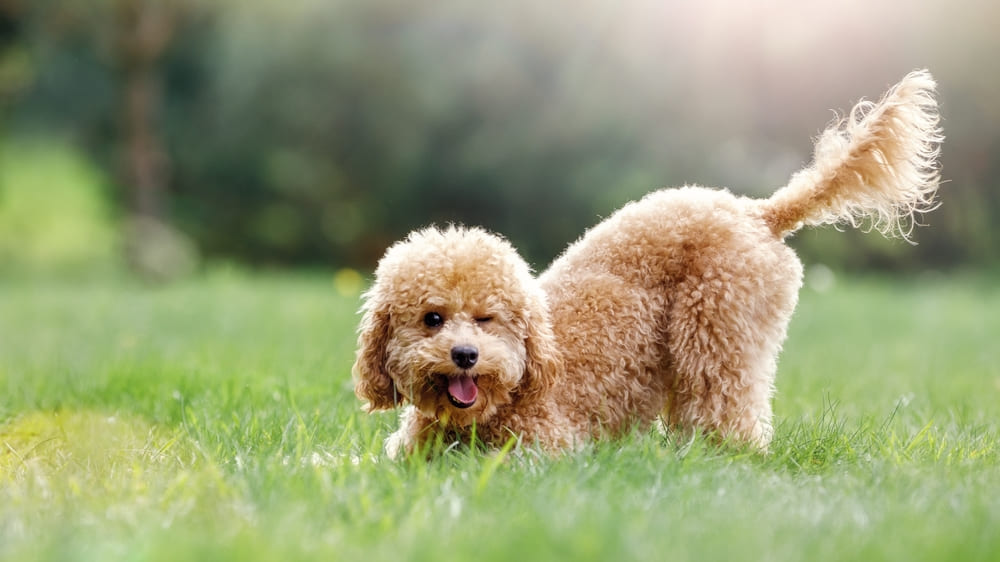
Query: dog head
{"x": 456, "y": 325}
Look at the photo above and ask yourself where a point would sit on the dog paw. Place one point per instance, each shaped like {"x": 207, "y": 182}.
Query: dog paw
{"x": 396, "y": 445}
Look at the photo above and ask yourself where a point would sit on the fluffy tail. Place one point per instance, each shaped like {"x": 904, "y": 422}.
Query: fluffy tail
{"x": 878, "y": 164}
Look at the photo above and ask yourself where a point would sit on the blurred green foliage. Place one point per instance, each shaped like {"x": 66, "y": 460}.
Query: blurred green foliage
{"x": 314, "y": 132}
{"x": 54, "y": 213}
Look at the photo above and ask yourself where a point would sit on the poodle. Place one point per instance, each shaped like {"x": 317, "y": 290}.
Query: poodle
{"x": 672, "y": 310}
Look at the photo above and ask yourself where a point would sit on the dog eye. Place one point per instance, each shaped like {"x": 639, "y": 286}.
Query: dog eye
{"x": 433, "y": 320}
{"x": 484, "y": 319}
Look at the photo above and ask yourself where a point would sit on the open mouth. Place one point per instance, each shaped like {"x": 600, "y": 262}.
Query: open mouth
{"x": 462, "y": 391}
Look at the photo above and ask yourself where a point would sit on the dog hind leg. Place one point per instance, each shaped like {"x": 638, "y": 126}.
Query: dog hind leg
{"x": 725, "y": 331}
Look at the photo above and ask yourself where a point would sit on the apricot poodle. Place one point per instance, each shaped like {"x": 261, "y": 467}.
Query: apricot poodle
{"x": 673, "y": 309}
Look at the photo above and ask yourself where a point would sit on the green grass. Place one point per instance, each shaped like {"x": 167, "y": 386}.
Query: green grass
{"x": 214, "y": 420}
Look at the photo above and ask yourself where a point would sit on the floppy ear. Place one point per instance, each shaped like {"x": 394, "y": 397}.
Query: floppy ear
{"x": 544, "y": 363}
{"x": 371, "y": 381}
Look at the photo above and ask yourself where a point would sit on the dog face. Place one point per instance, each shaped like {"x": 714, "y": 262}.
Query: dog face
{"x": 456, "y": 325}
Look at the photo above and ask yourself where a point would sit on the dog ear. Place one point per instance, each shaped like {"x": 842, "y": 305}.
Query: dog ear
{"x": 544, "y": 362}
{"x": 371, "y": 380}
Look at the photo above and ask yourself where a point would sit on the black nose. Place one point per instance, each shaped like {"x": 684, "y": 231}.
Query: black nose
{"x": 465, "y": 356}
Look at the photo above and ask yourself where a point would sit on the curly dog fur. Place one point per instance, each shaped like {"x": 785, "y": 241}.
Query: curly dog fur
{"x": 674, "y": 308}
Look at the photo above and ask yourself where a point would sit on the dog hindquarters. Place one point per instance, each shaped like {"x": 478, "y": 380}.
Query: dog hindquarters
{"x": 726, "y": 328}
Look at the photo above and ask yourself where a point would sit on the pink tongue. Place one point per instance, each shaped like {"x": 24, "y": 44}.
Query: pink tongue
{"x": 463, "y": 389}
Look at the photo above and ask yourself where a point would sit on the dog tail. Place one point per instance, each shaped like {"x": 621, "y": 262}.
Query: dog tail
{"x": 876, "y": 167}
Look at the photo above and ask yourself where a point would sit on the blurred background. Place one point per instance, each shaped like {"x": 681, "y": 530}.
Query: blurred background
{"x": 162, "y": 137}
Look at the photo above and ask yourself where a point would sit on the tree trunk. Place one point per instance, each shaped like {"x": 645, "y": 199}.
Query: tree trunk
{"x": 146, "y": 162}
{"x": 143, "y": 30}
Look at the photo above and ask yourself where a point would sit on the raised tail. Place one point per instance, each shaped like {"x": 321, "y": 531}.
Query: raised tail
{"x": 876, "y": 167}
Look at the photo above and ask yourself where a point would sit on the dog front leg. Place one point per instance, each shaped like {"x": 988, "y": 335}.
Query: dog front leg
{"x": 412, "y": 432}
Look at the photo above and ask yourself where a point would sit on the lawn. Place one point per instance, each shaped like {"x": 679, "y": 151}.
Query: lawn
{"x": 214, "y": 420}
